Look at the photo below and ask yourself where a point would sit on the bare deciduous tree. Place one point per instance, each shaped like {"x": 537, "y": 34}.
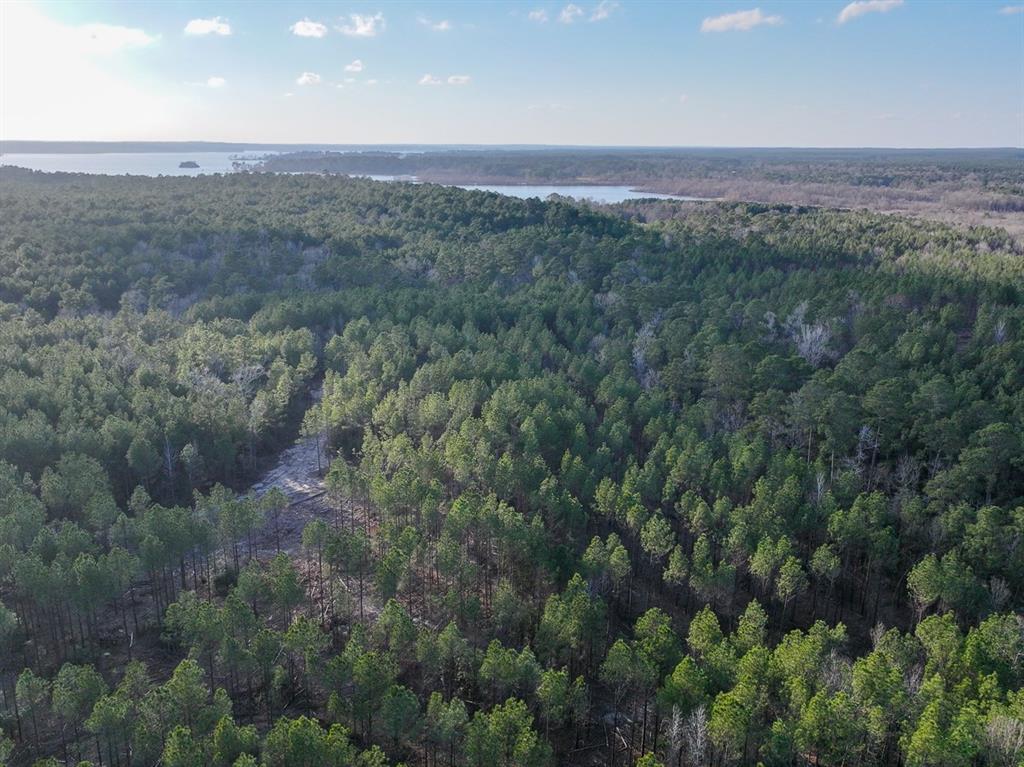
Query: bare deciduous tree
{"x": 676, "y": 736}
{"x": 697, "y": 736}
{"x": 647, "y": 377}
{"x": 1004, "y": 738}
{"x": 1000, "y": 592}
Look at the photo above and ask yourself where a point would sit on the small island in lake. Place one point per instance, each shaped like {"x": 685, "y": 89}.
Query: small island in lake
{"x": 188, "y": 164}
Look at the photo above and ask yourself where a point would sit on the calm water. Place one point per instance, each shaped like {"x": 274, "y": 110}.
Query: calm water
{"x": 134, "y": 163}
{"x": 603, "y": 194}
{"x": 166, "y": 164}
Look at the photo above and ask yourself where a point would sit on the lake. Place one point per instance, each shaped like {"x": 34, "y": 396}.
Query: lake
{"x": 133, "y": 163}
{"x": 602, "y": 194}
{"x": 166, "y": 164}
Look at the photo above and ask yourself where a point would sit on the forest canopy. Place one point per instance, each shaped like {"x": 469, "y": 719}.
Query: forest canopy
{"x": 660, "y": 483}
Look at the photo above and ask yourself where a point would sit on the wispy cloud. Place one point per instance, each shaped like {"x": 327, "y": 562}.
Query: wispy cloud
{"x": 438, "y": 26}
{"x": 308, "y": 78}
{"x": 109, "y": 38}
{"x": 1011, "y": 10}
{"x": 603, "y": 10}
{"x": 89, "y": 39}
{"x": 862, "y": 7}
{"x": 214, "y": 26}
{"x": 570, "y": 13}
{"x": 355, "y": 66}
{"x": 307, "y": 28}
{"x": 683, "y": 98}
{"x": 739, "y": 21}
{"x": 363, "y": 25}
{"x": 216, "y": 82}
{"x": 429, "y": 79}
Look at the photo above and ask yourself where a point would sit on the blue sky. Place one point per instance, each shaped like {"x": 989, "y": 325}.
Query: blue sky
{"x": 761, "y": 73}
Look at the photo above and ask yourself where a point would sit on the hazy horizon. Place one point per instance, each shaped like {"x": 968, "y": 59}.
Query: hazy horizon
{"x": 194, "y": 145}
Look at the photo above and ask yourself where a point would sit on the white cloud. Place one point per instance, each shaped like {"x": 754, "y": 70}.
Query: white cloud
{"x": 739, "y": 21}
{"x": 458, "y": 80}
{"x": 438, "y": 26}
{"x": 1011, "y": 10}
{"x": 307, "y": 28}
{"x": 539, "y": 15}
{"x": 55, "y": 77}
{"x": 363, "y": 26}
{"x": 308, "y": 78}
{"x": 683, "y": 98}
{"x": 214, "y": 26}
{"x": 570, "y": 13}
{"x": 429, "y": 79}
{"x": 216, "y": 82}
{"x": 603, "y": 10}
{"x": 860, "y": 7}
{"x": 355, "y": 66}
{"x": 371, "y": 82}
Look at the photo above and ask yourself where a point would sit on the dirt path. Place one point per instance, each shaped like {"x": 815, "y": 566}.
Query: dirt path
{"x": 297, "y": 471}
{"x": 299, "y": 474}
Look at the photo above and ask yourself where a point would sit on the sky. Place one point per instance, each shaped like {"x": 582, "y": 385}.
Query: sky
{"x": 899, "y": 73}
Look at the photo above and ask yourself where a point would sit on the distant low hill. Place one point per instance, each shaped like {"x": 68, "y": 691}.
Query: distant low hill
{"x": 98, "y": 147}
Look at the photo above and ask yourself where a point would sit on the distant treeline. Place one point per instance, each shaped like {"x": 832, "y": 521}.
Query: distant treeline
{"x": 861, "y": 167}
{"x": 964, "y": 185}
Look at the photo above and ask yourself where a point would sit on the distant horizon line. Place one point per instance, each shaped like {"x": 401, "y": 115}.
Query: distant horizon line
{"x": 130, "y": 146}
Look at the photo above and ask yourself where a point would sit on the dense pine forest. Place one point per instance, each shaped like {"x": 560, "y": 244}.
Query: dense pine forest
{"x": 658, "y": 484}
